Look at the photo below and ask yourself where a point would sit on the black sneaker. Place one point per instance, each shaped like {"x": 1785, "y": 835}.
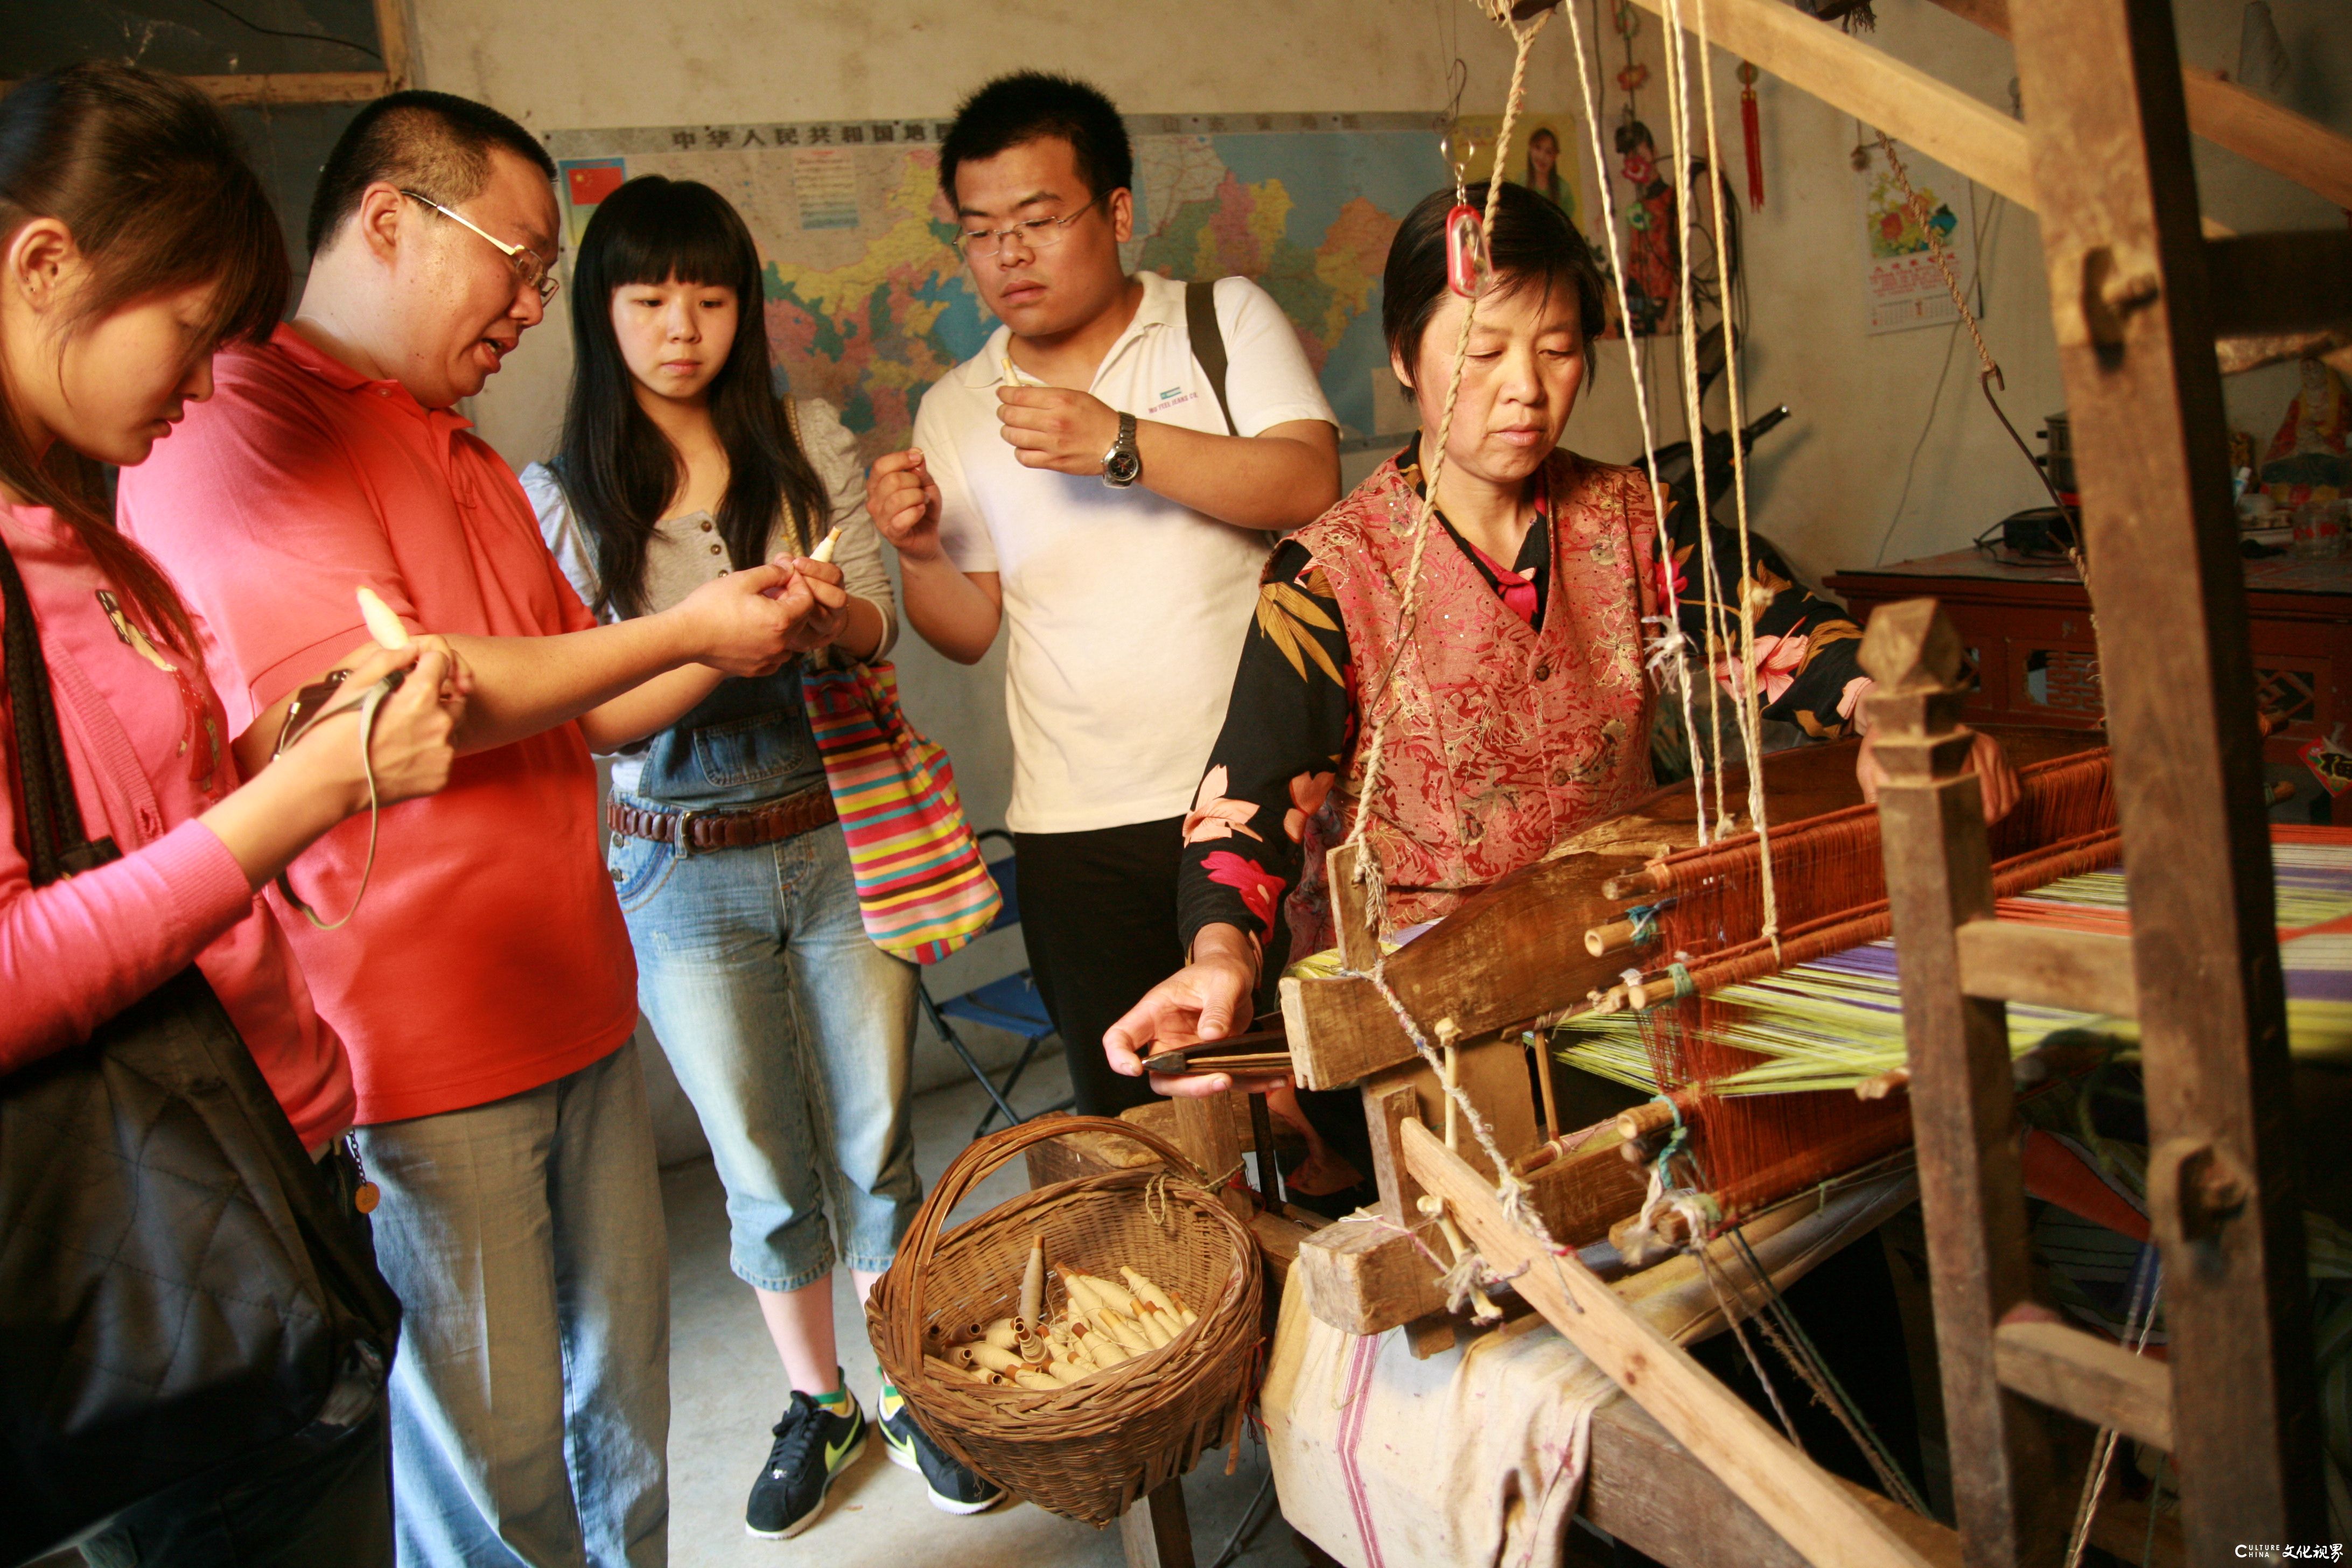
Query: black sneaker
{"x": 814, "y": 1443}
{"x": 953, "y": 1489}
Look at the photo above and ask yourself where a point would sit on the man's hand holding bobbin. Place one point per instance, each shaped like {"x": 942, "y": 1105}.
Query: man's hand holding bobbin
{"x": 1054, "y": 427}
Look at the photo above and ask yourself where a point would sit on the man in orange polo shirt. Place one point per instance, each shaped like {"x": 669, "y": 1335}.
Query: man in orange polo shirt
{"x": 485, "y": 987}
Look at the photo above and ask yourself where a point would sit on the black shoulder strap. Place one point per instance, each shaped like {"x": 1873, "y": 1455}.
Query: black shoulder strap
{"x": 1209, "y": 341}
{"x": 54, "y": 847}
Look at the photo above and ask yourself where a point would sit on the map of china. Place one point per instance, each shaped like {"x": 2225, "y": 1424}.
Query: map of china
{"x": 1307, "y": 216}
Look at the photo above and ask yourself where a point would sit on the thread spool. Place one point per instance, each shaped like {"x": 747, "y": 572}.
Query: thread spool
{"x": 1646, "y": 1120}
{"x": 1603, "y": 940}
{"x": 1885, "y": 1084}
{"x": 1635, "y": 884}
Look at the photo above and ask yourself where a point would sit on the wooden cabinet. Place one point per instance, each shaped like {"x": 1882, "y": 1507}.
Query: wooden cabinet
{"x": 2029, "y": 630}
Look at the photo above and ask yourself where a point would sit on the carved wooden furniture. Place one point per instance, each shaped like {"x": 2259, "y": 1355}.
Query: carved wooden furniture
{"x": 2028, "y": 631}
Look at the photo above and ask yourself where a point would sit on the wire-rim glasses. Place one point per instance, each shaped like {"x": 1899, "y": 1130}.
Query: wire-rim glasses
{"x": 530, "y": 267}
{"x": 1034, "y": 234}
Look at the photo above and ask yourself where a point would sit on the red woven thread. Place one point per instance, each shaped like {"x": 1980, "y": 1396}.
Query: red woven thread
{"x": 1755, "y": 1149}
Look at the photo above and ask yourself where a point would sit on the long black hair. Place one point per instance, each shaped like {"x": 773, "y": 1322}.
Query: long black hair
{"x": 1534, "y": 242}
{"x": 148, "y": 175}
{"x": 619, "y": 471}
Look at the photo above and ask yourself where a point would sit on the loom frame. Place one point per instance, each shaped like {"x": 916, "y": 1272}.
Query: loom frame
{"x": 2107, "y": 167}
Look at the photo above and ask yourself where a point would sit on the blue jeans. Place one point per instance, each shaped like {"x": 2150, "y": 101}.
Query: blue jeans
{"x": 791, "y": 1033}
{"x": 531, "y": 1394}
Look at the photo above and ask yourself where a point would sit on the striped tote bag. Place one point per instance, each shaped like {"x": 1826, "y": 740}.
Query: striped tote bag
{"x": 922, "y": 888}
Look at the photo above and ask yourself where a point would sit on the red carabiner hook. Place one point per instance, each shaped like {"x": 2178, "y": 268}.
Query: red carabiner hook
{"x": 1465, "y": 251}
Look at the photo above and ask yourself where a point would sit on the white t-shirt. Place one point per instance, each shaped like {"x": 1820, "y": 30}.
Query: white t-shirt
{"x": 1126, "y": 611}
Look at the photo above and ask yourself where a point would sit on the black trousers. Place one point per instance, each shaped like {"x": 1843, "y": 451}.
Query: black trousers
{"x": 1098, "y": 913}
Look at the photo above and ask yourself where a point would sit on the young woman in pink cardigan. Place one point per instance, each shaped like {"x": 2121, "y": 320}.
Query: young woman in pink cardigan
{"x": 133, "y": 242}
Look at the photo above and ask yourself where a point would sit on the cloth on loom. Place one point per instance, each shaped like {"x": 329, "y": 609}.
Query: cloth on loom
{"x": 1477, "y": 1455}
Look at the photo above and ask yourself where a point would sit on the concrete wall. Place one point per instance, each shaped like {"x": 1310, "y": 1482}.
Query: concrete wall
{"x": 1891, "y": 453}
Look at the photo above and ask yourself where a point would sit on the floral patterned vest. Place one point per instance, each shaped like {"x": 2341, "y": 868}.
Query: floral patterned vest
{"x": 1503, "y": 738}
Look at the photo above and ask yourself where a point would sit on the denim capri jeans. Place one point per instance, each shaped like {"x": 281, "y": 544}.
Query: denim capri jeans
{"x": 791, "y": 1033}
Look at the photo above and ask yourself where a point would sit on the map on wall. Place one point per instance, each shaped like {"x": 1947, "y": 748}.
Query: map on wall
{"x": 868, "y": 300}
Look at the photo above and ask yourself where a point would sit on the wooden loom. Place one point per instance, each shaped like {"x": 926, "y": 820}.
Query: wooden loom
{"x": 2107, "y": 164}
{"x": 2139, "y": 294}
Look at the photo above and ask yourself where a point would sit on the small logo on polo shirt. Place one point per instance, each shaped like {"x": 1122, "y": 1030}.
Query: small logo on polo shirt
{"x": 1173, "y": 397}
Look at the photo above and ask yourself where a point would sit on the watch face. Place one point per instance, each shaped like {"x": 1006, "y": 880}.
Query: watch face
{"x": 1122, "y": 468}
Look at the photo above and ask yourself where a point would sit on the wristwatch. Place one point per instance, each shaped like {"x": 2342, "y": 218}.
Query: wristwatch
{"x": 1123, "y": 464}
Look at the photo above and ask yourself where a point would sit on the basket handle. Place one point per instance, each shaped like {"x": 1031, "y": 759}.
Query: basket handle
{"x": 980, "y": 1159}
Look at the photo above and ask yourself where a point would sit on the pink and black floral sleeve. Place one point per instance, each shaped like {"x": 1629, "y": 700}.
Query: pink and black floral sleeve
{"x": 1288, "y": 730}
{"x": 1809, "y": 650}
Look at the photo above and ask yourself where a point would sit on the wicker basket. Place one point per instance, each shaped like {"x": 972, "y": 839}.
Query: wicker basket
{"x": 1089, "y": 1451}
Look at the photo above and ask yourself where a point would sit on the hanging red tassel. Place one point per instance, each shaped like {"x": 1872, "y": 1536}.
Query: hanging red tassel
{"x": 1753, "y": 132}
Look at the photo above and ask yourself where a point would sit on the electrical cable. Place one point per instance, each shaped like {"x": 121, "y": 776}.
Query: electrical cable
{"x": 244, "y": 21}
{"x": 1984, "y": 236}
{"x": 1245, "y": 1530}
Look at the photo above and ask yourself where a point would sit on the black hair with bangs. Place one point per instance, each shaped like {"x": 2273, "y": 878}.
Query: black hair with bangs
{"x": 147, "y": 174}
{"x": 619, "y": 471}
{"x": 1533, "y": 243}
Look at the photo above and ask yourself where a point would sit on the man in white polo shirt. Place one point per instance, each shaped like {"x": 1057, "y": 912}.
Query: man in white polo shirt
{"x": 1082, "y": 479}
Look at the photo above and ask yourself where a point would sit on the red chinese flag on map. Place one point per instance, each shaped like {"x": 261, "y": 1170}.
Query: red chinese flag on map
{"x": 592, "y": 183}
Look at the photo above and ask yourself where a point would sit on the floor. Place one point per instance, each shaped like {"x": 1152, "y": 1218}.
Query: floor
{"x": 726, "y": 1389}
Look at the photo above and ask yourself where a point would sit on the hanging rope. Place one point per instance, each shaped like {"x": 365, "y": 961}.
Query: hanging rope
{"x": 1751, "y": 713}
{"x": 1694, "y": 420}
{"x": 1376, "y": 744}
{"x": 2146, "y": 1292}
{"x": 1666, "y": 648}
{"x": 1510, "y": 1190}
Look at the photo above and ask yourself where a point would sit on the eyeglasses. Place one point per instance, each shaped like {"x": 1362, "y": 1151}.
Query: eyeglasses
{"x": 1034, "y": 234}
{"x": 529, "y": 268}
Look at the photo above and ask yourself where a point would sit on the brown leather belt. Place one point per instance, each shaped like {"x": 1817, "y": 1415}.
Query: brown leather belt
{"x": 695, "y": 832}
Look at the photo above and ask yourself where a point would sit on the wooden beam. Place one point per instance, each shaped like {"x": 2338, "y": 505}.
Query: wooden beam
{"x": 2278, "y": 139}
{"x": 1648, "y": 1491}
{"x": 1279, "y": 1238}
{"x": 1366, "y": 1278}
{"x": 1960, "y": 131}
{"x": 2229, "y": 116}
{"x": 1157, "y": 1532}
{"x": 2092, "y": 1379}
{"x": 2088, "y": 970}
{"x": 1205, "y": 1131}
{"x": 1363, "y": 1278}
{"x": 392, "y": 39}
{"x": 296, "y": 87}
{"x": 2263, "y": 285}
{"x": 1803, "y": 1504}
{"x": 1963, "y": 1105}
{"x": 2110, "y": 143}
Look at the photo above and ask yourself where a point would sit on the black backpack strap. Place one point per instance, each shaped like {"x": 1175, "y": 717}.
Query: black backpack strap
{"x": 54, "y": 847}
{"x": 1209, "y": 341}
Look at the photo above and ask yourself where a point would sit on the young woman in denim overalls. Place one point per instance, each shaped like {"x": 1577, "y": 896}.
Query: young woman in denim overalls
{"x": 789, "y": 1029}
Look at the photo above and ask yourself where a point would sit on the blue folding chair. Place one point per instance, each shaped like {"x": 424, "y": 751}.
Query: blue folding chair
{"x": 1011, "y": 1004}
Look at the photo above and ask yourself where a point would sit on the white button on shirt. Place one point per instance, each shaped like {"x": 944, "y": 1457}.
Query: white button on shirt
{"x": 1125, "y": 611}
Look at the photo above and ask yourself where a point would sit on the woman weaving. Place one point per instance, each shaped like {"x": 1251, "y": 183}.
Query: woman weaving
{"x": 1517, "y": 708}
